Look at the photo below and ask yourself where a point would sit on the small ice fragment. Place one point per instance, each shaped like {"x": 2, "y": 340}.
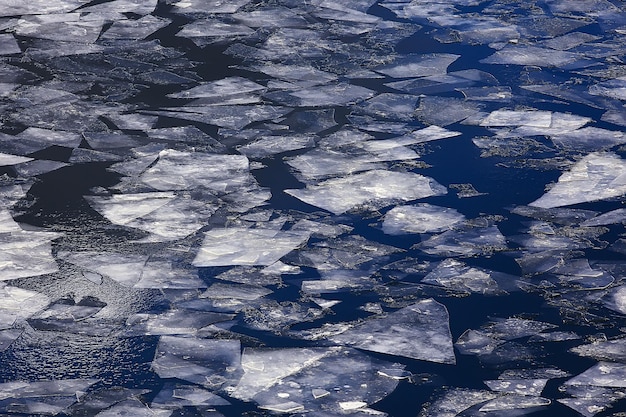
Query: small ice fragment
{"x": 319, "y": 393}
{"x": 518, "y": 386}
{"x": 352, "y": 405}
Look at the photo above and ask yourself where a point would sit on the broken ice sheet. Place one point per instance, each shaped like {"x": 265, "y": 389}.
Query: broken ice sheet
{"x": 603, "y": 374}
{"x": 173, "y": 396}
{"x": 597, "y": 176}
{"x": 212, "y": 363}
{"x": 247, "y": 246}
{"x": 338, "y": 281}
{"x": 588, "y": 139}
{"x": 443, "y": 111}
{"x": 608, "y": 350}
{"x": 173, "y": 322}
{"x": 531, "y": 55}
{"x": 418, "y": 65}
{"x": 134, "y": 29}
{"x": 339, "y": 94}
{"x": 465, "y": 239}
{"x": 589, "y": 400}
{"x": 514, "y": 402}
{"x": 420, "y": 218}
{"x": 9, "y": 45}
{"x": 456, "y": 275}
{"x": 376, "y": 187}
{"x": 333, "y": 379}
{"x": 24, "y": 253}
{"x": 419, "y": 331}
{"x": 18, "y": 304}
{"x": 456, "y": 400}
{"x": 271, "y": 145}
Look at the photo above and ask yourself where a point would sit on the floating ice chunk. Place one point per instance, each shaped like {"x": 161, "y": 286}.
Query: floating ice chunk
{"x": 177, "y": 170}
{"x": 442, "y": 111}
{"x": 173, "y": 322}
{"x": 37, "y": 167}
{"x": 532, "y": 387}
{"x": 338, "y": 281}
{"x": 174, "y": 396}
{"x": 203, "y": 31}
{"x": 531, "y": 55}
{"x": 9, "y": 45}
{"x": 603, "y": 374}
{"x": 418, "y": 136}
{"x": 340, "y": 94}
{"x": 84, "y": 156}
{"x": 418, "y": 65}
{"x": 24, "y": 253}
{"x": 466, "y": 190}
{"x": 597, "y": 176}
{"x": 124, "y": 208}
{"x": 456, "y": 275}
{"x": 59, "y": 387}
{"x": 7, "y": 159}
{"x": 465, "y": 240}
{"x": 272, "y": 145}
{"x": 334, "y": 11}
{"x": 221, "y": 88}
{"x": 534, "y": 118}
{"x": 134, "y": 29}
{"x": 245, "y": 246}
{"x": 139, "y": 7}
{"x": 72, "y": 29}
{"x": 202, "y": 7}
{"x": 515, "y": 328}
{"x": 133, "y": 407}
{"x": 298, "y": 74}
{"x": 235, "y": 291}
{"x": 514, "y": 401}
{"x": 611, "y": 217}
{"x": 330, "y": 379}
{"x": 324, "y": 163}
{"x": 569, "y": 40}
{"x": 588, "y": 139}
{"x": 608, "y": 350}
{"x": 390, "y": 106}
{"x": 455, "y": 401}
{"x": 34, "y": 139}
{"x": 132, "y": 121}
{"x": 474, "y": 342}
{"x": 584, "y": 6}
{"x": 275, "y": 17}
{"x": 589, "y": 400}
{"x": 232, "y": 117}
{"x": 420, "y": 218}
{"x": 213, "y": 363}
{"x": 419, "y": 331}
{"x": 378, "y": 187}
{"x": 18, "y": 304}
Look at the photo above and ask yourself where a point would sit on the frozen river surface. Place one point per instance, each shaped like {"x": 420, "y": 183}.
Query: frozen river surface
{"x": 312, "y": 208}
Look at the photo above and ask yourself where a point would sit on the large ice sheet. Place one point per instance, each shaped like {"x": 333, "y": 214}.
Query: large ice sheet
{"x": 247, "y": 246}
{"x": 597, "y": 176}
{"x": 603, "y": 374}
{"x": 419, "y": 331}
{"x": 375, "y": 187}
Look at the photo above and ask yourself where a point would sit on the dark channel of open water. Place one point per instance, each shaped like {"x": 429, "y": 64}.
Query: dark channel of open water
{"x": 506, "y": 179}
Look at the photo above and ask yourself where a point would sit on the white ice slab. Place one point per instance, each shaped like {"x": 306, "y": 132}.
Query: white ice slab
{"x": 419, "y": 331}
{"x": 379, "y": 187}
{"x": 420, "y": 218}
{"x": 597, "y": 176}
{"x": 246, "y": 246}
